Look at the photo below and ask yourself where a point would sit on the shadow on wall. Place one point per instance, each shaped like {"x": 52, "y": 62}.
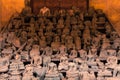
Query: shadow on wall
{"x": 9, "y": 7}
{"x": 111, "y": 8}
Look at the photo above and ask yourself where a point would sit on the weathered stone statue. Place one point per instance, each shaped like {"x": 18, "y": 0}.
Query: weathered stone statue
{"x": 60, "y": 24}
{"x": 44, "y": 11}
{"x": 77, "y": 42}
{"x": 52, "y": 73}
{"x": 28, "y": 73}
{"x": 56, "y": 43}
{"x": 42, "y": 42}
{"x": 63, "y": 65}
{"x": 4, "y": 63}
{"x": 111, "y": 62}
{"x": 73, "y": 54}
{"x": 46, "y": 60}
{"x": 69, "y": 42}
{"x": 16, "y": 68}
{"x": 83, "y": 54}
{"x": 84, "y": 74}
{"x": 72, "y": 73}
{"x": 62, "y": 51}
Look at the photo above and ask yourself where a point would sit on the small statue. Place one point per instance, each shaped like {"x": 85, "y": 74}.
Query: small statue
{"x": 73, "y": 54}
{"x": 108, "y": 28}
{"x": 77, "y": 42}
{"x": 25, "y": 56}
{"x": 103, "y": 54}
{"x": 72, "y": 73}
{"x": 16, "y": 42}
{"x": 83, "y": 54}
{"x": 42, "y": 42}
{"x": 63, "y": 65}
{"x": 81, "y": 26}
{"x": 111, "y": 62}
{"x": 46, "y": 60}
{"x": 69, "y": 42}
{"x": 99, "y": 63}
{"x": 84, "y": 74}
{"x": 49, "y": 34}
{"x": 41, "y": 33}
{"x": 114, "y": 35}
{"x": 116, "y": 43}
{"x": 96, "y": 42}
{"x": 4, "y": 63}
{"x": 62, "y": 51}
{"x": 60, "y": 24}
{"x": 28, "y": 73}
{"x": 105, "y": 43}
{"x": 52, "y": 73}
{"x": 71, "y": 12}
{"x": 29, "y": 44}
{"x": 23, "y": 37}
{"x": 16, "y": 68}
{"x": 44, "y": 11}
{"x": 34, "y": 51}
{"x": 74, "y": 33}
{"x": 56, "y": 43}
{"x": 10, "y": 37}
{"x": 66, "y": 31}
{"x": 83, "y": 67}
{"x": 87, "y": 38}
{"x": 48, "y": 51}
{"x": 62, "y": 12}
{"x": 73, "y": 20}
{"x": 37, "y": 60}
{"x": 63, "y": 38}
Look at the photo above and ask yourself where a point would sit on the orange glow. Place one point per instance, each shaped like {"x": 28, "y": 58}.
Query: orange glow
{"x": 111, "y": 8}
{"x": 9, "y": 7}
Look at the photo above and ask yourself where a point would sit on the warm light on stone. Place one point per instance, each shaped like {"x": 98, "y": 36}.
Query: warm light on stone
{"x": 111, "y": 8}
{"x": 9, "y": 7}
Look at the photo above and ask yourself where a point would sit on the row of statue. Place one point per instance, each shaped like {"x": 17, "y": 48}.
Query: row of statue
{"x": 59, "y": 45}
{"x": 86, "y": 67}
